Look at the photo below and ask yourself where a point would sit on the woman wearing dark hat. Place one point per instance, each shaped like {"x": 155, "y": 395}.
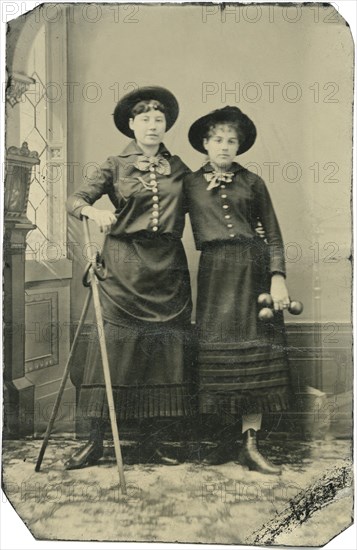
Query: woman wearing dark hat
{"x": 146, "y": 297}
{"x": 241, "y": 360}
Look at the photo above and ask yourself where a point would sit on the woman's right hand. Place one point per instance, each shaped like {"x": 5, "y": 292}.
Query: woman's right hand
{"x": 105, "y": 219}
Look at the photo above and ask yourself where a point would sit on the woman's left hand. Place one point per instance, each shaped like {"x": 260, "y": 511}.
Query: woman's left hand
{"x": 279, "y": 292}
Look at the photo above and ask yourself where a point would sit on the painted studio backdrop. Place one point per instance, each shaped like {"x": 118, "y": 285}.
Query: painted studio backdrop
{"x": 289, "y": 69}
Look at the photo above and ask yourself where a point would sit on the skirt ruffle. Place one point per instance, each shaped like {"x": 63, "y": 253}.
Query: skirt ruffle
{"x": 137, "y": 402}
{"x": 257, "y": 401}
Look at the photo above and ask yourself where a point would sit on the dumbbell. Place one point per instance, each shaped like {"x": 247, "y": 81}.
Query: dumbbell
{"x": 295, "y": 307}
{"x": 267, "y": 313}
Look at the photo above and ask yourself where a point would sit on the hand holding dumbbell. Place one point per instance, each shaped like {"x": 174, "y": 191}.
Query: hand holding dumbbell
{"x": 266, "y": 303}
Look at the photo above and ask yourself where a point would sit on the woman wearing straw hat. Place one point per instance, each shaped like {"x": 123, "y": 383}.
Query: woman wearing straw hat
{"x": 242, "y": 366}
{"x": 146, "y": 297}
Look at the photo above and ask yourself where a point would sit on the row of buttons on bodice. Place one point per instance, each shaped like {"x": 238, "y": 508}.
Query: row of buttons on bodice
{"x": 226, "y": 207}
{"x": 155, "y": 200}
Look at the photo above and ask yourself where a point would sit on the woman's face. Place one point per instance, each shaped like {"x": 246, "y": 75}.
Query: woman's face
{"x": 222, "y": 146}
{"x": 149, "y": 128}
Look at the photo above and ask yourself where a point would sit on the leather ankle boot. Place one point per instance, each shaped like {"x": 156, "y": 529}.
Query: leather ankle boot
{"x": 152, "y": 450}
{"x": 90, "y": 453}
{"x": 251, "y": 457}
{"x": 220, "y": 454}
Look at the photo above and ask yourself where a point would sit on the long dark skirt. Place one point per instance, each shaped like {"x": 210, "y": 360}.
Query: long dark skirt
{"x": 146, "y": 305}
{"x": 242, "y": 361}
{"x": 150, "y": 366}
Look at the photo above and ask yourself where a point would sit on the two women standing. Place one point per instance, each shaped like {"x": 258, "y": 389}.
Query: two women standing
{"x": 146, "y": 301}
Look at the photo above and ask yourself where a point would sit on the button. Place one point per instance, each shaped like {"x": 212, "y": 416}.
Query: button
{"x": 154, "y": 189}
{"x": 224, "y": 196}
{"x": 155, "y": 228}
{"x": 155, "y": 198}
{"x": 155, "y": 206}
{"x": 227, "y": 216}
{"x": 152, "y": 176}
{"x": 229, "y": 225}
{"x": 232, "y": 235}
{"x": 155, "y": 221}
{"x": 152, "y": 169}
{"x": 223, "y": 186}
{"x": 225, "y": 206}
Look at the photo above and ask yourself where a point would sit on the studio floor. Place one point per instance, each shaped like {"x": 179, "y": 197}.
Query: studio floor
{"x": 224, "y": 504}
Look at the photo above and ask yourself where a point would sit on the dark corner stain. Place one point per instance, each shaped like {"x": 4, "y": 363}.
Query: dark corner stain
{"x": 305, "y": 504}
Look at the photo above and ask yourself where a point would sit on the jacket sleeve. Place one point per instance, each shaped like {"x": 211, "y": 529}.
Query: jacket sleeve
{"x": 185, "y": 173}
{"x": 94, "y": 187}
{"x": 267, "y": 216}
{"x": 185, "y": 187}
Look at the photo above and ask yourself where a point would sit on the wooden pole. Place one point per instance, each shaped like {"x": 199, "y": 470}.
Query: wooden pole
{"x": 105, "y": 362}
{"x": 63, "y": 384}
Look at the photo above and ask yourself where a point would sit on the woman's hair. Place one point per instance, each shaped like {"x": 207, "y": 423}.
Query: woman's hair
{"x": 213, "y": 126}
{"x": 147, "y": 105}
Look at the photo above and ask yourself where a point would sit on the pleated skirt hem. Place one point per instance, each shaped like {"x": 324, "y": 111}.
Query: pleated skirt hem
{"x": 137, "y": 402}
{"x": 245, "y": 402}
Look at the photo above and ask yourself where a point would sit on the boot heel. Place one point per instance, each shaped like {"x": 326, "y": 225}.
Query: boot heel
{"x": 88, "y": 455}
{"x": 251, "y": 457}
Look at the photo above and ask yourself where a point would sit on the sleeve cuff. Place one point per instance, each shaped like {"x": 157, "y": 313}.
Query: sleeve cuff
{"x": 276, "y": 272}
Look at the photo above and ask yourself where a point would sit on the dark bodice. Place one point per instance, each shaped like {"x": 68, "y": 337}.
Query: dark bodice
{"x": 232, "y": 210}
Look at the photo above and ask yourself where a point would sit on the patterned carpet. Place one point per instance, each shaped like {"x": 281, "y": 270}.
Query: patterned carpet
{"x": 187, "y": 503}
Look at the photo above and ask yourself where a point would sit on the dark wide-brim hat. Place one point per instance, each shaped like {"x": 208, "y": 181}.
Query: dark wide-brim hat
{"x": 198, "y": 130}
{"x": 123, "y": 110}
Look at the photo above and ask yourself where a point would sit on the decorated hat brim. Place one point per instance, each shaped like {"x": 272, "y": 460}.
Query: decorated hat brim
{"x": 199, "y": 128}
{"x": 123, "y": 110}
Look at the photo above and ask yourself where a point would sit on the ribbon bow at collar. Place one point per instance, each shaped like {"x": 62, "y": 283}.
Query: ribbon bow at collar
{"x": 216, "y": 178}
{"x": 161, "y": 164}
